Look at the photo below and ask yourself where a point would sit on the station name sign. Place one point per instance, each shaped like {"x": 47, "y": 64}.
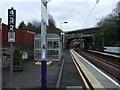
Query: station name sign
{"x": 11, "y": 24}
{"x": 44, "y": 14}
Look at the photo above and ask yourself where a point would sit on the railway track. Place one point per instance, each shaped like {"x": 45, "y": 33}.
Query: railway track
{"x": 110, "y": 68}
{"x": 103, "y": 60}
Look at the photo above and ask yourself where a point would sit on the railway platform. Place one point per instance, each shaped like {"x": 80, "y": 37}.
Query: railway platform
{"x": 70, "y": 76}
{"x": 76, "y": 72}
{"x": 95, "y": 76}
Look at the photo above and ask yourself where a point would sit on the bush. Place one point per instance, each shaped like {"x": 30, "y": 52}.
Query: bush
{"x": 17, "y": 57}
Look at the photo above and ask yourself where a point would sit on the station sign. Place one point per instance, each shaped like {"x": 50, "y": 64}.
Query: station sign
{"x": 44, "y": 14}
{"x": 11, "y": 24}
{"x": 11, "y": 36}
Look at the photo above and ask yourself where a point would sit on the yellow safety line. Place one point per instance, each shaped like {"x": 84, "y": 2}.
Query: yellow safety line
{"x": 91, "y": 78}
{"x": 85, "y": 82}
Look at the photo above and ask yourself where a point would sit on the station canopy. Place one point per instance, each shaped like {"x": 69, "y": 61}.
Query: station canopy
{"x": 49, "y": 36}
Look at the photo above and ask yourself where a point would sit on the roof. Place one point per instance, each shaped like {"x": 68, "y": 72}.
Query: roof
{"x": 85, "y": 29}
{"x": 49, "y": 36}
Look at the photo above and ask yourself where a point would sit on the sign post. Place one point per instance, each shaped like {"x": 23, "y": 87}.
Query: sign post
{"x": 11, "y": 38}
{"x": 0, "y": 53}
{"x": 44, "y": 23}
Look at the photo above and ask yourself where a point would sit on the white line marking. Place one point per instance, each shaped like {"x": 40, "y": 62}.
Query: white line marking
{"x": 117, "y": 84}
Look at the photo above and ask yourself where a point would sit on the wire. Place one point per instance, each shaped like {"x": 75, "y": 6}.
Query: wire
{"x": 90, "y": 13}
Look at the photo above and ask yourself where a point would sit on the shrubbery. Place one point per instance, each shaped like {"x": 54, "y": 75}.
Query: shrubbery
{"x": 17, "y": 57}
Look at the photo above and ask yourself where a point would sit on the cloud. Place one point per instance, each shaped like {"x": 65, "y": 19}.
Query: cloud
{"x": 25, "y": 11}
{"x": 73, "y": 11}
{"x": 57, "y": 1}
{"x": 20, "y": 0}
{"x": 76, "y": 11}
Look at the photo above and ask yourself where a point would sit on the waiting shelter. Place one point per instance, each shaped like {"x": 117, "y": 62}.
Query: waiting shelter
{"x": 53, "y": 47}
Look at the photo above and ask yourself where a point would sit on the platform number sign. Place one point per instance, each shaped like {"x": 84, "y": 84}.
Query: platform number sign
{"x": 11, "y": 24}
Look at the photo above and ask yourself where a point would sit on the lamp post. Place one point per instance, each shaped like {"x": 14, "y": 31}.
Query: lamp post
{"x": 63, "y": 35}
{"x": 63, "y": 23}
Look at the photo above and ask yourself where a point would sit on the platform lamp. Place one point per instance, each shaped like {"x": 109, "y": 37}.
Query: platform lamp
{"x": 63, "y": 34}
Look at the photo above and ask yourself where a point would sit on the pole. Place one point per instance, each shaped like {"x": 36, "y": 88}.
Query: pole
{"x": 0, "y": 54}
{"x": 43, "y": 51}
{"x": 11, "y": 65}
{"x": 61, "y": 38}
{"x": 11, "y": 32}
{"x": 43, "y": 79}
{"x": 43, "y": 47}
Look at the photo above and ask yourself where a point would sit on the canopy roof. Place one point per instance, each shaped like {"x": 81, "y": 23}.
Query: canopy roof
{"x": 49, "y": 36}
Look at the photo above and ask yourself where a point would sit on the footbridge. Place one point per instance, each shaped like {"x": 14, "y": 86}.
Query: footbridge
{"x": 82, "y": 36}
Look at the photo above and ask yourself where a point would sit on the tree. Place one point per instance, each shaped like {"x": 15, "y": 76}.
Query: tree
{"x": 114, "y": 16}
{"x": 52, "y": 27}
{"x": 22, "y": 25}
{"x": 110, "y": 29}
{"x": 34, "y": 26}
{"x": 58, "y": 31}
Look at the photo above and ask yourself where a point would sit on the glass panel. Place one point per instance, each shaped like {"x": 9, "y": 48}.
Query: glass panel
{"x": 53, "y": 54}
{"x": 49, "y": 44}
{"x": 37, "y": 43}
{"x": 37, "y": 54}
{"x": 55, "y": 44}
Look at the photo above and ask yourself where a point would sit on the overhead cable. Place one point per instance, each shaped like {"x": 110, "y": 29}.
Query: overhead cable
{"x": 90, "y": 13}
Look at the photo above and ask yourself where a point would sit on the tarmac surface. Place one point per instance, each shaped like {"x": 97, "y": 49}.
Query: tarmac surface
{"x": 31, "y": 76}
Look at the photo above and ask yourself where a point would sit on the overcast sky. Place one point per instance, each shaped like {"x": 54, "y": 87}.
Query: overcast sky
{"x": 75, "y": 12}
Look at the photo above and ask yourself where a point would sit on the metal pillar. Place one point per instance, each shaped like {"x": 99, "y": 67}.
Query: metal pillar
{"x": 43, "y": 75}
{"x": 62, "y": 36}
{"x": 11, "y": 65}
{"x": 11, "y": 38}
{"x": 43, "y": 47}
{"x": 43, "y": 52}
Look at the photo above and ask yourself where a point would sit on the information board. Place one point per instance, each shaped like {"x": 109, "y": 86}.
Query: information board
{"x": 11, "y": 36}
